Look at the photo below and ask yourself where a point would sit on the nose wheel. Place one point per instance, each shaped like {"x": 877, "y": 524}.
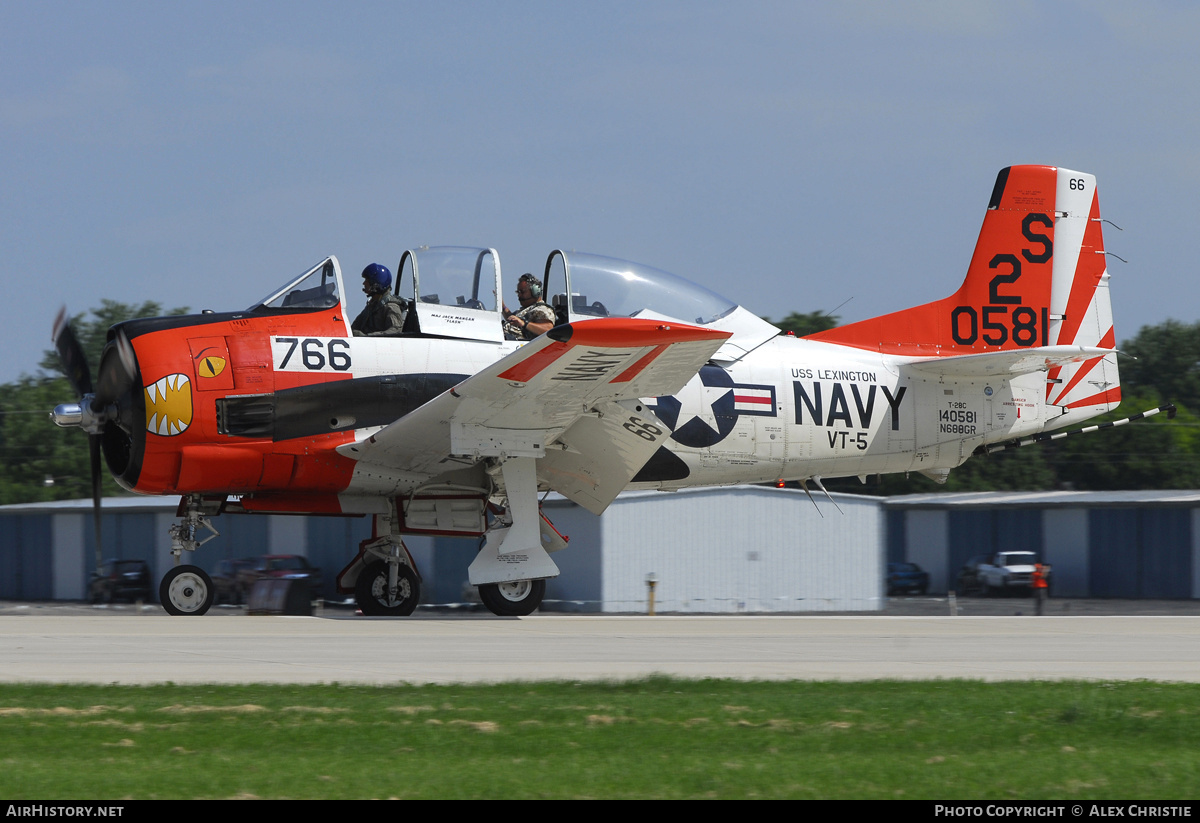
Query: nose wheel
{"x": 186, "y": 590}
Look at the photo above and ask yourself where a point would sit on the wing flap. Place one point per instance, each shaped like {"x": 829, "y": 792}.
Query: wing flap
{"x": 600, "y": 453}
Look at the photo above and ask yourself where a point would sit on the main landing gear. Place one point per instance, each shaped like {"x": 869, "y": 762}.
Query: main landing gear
{"x": 516, "y": 598}
{"x": 387, "y": 590}
{"x": 383, "y": 578}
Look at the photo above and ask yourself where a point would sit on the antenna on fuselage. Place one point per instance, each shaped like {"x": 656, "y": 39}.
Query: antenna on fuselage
{"x": 821, "y": 486}
{"x": 830, "y": 313}
{"x": 804, "y": 485}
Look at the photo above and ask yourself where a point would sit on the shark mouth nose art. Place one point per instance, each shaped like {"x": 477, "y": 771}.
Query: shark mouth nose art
{"x": 169, "y": 405}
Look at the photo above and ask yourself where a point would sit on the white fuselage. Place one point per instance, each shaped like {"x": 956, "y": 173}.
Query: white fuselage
{"x": 791, "y": 409}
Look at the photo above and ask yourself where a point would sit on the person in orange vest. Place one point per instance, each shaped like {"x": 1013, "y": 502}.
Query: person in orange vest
{"x": 1041, "y": 582}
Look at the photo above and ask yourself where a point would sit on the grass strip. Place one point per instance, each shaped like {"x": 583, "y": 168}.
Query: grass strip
{"x": 652, "y": 738}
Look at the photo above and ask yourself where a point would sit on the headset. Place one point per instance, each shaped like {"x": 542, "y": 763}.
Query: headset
{"x": 535, "y": 287}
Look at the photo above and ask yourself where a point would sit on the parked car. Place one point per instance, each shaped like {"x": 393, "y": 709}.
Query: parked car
{"x": 287, "y": 566}
{"x": 906, "y": 577}
{"x": 997, "y": 573}
{"x": 226, "y": 588}
{"x": 1007, "y": 571}
{"x": 120, "y": 580}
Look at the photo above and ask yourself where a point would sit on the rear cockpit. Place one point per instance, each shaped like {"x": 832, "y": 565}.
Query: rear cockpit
{"x": 584, "y": 286}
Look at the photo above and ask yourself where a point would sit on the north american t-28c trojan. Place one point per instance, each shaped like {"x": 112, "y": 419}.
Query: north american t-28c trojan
{"x": 647, "y": 381}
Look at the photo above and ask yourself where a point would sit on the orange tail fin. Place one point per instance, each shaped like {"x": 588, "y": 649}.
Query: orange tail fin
{"x": 1038, "y": 277}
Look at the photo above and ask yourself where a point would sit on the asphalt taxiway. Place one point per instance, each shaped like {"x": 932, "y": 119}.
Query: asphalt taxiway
{"x": 150, "y": 647}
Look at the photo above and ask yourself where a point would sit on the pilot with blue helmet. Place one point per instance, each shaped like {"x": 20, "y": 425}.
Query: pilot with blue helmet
{"x": 383, "y": 316}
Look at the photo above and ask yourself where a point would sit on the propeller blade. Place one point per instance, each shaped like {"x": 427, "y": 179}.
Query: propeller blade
{"x": 94, "y": 449}
{"x": 118, "y": 366}
{"x": 71, "y": 354}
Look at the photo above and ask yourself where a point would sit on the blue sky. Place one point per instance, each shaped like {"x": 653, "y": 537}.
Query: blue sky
{"x": 789, "y": 155}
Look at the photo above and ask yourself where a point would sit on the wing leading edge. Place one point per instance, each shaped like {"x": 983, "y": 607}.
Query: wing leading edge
{"x": 569, "y": 399}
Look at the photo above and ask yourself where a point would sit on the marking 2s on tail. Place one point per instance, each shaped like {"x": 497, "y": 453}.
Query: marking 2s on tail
{"x": 646, "y": 381}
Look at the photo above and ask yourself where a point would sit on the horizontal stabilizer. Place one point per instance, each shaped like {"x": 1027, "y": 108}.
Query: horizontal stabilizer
{"x": 1006, "y": 363}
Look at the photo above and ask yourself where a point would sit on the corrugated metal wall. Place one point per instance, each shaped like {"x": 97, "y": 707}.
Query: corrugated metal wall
{"x": 26, "y": 559}
{"x": 750, "y": 549}
{"x": 1066, "y": 544}
{"x": 578, "y": 588}
{"x": 897, "y": 544}
{"x": 1165, "y": 553}
{"x": 926, "y": 535}
{"x": 742, "y": 550}
{"x": 1141, "y": 552}
{"x": 1097, "y": 550}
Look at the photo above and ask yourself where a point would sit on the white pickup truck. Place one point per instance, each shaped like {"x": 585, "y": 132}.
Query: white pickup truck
{"x": 1005, "y": 571}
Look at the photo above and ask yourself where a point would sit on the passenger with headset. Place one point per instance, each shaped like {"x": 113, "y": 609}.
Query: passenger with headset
{"x": 534, "y": 317}
{"x": 383, "y": 316}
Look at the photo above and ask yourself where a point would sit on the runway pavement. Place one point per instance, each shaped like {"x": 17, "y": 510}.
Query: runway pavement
{"x": 151, "y": 647}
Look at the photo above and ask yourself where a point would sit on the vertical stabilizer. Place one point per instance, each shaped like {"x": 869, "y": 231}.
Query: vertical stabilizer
{"x": 1038, "y": 277}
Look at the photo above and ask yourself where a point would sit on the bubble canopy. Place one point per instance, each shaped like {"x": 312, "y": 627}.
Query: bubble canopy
{"x": 455, "y": 292}
{"x": 585, "y": 285}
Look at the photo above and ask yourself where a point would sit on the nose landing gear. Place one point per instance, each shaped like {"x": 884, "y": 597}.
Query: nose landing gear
{"x": 188, "y": 590}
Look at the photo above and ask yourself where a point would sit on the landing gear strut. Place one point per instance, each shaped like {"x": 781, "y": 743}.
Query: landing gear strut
{"x": 386, "y": 583}
{"x": 188, "y": 590}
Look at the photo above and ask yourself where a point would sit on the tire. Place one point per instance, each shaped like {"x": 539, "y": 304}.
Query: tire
{"x": 370, "y": 592}
{"x": 186, "y": 591}
{"x": 515, "y": 599}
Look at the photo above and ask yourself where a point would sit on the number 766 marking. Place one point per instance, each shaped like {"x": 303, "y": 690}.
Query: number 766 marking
{"x": 311, "y": 353}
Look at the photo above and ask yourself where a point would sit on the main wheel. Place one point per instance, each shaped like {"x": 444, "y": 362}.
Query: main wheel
{"x": 186, "y": 590}
{"x": 515, "y": 599}
{"x": 371, "y": 591}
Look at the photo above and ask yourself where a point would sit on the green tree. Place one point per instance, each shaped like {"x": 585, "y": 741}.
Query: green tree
{"x": 32, "y": 448}
{"x": 1157, "y": 453}
{"x": 92, "y": 333}
{"x": 803, "y": 324}
{"x": 1165, "y": 358}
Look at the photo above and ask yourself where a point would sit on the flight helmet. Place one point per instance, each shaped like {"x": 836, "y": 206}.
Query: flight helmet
{"x": 376, "y": 279}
